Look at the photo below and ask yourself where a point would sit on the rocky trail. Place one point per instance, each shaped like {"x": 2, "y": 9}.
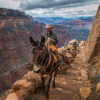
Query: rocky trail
{"x": 74, "y": 85}
{"x": 67, "y": 86}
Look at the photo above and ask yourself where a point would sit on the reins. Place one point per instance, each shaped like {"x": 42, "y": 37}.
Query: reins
{"x": 51, "y": 68}
{"x": 46, "y": 64}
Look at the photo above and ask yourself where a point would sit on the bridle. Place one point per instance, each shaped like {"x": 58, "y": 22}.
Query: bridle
{"x": 44, "y": 55}
{"x": 46, "y": 64}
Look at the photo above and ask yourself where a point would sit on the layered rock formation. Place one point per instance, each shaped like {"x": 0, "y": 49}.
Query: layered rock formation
{"x": 15, "y": 48}
{"x": 91, "y": 54}
{"x": 92, "y": 48}
{"x": 62, "y": 35}
{"x": 24, "y": 88}
{"x": 10, "y": 13}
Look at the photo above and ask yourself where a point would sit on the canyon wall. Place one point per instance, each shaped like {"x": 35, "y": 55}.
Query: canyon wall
{"x": 91, "y": 54}
{"x": 15, "y": 48}
{"x": 62, "y": 35}
{"x": 92, "y": 47}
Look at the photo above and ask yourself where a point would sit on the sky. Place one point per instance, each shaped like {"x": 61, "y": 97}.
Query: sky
{"x": 54, "y": 8}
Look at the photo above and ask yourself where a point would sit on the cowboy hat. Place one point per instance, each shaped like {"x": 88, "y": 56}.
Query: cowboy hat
{"x": 48, "y": 26}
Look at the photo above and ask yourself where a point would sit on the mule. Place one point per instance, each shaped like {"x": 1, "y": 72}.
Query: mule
{"x": 43, "y": 63}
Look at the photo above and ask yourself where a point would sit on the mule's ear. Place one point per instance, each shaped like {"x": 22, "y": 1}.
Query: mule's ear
{"x": 43, "y": 41}
{"x": 33, "y": 43}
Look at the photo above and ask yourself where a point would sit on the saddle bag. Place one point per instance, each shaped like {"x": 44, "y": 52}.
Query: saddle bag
{"x": 52, "y": 48}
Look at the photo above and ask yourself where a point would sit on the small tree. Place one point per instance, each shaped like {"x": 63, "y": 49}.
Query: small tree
{"x": 74, "y": 43}
{"x": 68, "y": 49}
{"x": 66, "y": 45}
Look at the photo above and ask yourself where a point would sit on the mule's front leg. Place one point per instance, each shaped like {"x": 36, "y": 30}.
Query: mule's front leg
{"x": 43, "y": 90}
{"x": 48, "y": 86}
{"x": 55, "y": 73}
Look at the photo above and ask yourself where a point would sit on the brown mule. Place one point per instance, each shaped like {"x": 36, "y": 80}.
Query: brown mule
{"x": 43, "y": 63}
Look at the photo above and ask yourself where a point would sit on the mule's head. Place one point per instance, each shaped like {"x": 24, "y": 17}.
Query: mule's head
{"x": 38, "y": 51}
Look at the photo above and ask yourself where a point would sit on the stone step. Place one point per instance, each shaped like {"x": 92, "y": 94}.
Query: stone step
{"x": 76, "y": 62}
{"x": 63, "y": 94}
{"x": 67, "y": 82}
{"x": 73, "y": 71}
{"x": 71, "y": 77}
{"x": 75, "y": 66}
{"x": 78, "y": 59}
{"x": 69, "y": 87}
{"x": 57, "y": 93}
{"x": 60, "y": 90}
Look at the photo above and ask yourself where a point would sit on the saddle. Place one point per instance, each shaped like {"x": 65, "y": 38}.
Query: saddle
{"x": 57, "y": 57}
{"x": 52, "y": 47}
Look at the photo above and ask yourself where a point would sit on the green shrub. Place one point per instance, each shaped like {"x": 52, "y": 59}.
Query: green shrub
{"x": 66, "y": 45}
{"x": 74, "y": 43}
{"x": 94, "y": 82}
{"x": 68, "y": 48}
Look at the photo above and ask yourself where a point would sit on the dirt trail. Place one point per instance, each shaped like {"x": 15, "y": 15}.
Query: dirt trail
{"x": 67, "y": 86}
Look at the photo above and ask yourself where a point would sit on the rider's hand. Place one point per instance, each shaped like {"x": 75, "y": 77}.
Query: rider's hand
{"x": 49, "y": 39}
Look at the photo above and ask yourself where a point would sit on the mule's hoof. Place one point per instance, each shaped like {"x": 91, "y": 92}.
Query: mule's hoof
{"x": 53, "y": 87}
{"x": 43, "y": 93}
{"x": 47, "y": 97}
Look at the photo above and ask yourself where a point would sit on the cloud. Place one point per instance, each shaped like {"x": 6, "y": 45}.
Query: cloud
{"x": 30, "y": 4}
{"x": 9, "y": 4}
{"x": 53, "y": 8}
{"x": 89, "y": 10}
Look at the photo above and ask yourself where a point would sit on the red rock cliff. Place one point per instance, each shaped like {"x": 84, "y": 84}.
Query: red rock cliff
{"x": 15, "y": 48}
{"x": 92, "y": 47}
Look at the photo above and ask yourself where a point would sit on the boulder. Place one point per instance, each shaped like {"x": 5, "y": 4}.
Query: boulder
{"x": 22, "y": 84}
{"x": 30, "y": 82}
{"x": 85, "y": 92}
{"x": 98, "y": 88}
{"x": 24, "y": 94}
{"x": 92, "y": 47}
{"x": 82, "y": 43}
{"x": 71, "y": 42}
{"x": 25, "y": 87}
{"x": 12, "y": 96}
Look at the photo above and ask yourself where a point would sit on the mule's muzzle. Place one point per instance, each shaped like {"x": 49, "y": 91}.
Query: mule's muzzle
{"x": 37, "y": 71}
{"x": 29, "y": 66}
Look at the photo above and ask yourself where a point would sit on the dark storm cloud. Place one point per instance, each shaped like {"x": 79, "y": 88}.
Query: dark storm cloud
{"x": 70, "y": 8}
{"x": 29, "y": 5}
{"x": 64, "y": 8}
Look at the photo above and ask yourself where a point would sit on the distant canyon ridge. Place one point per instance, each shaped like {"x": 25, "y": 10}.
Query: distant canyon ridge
{"x": 78, "y": 28}
{"x": 15, "y": 48}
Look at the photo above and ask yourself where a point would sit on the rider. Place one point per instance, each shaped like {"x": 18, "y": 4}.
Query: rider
{"x": 50, "y": 37}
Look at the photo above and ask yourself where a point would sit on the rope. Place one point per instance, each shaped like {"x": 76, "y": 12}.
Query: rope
{"x": 51, "y": 70}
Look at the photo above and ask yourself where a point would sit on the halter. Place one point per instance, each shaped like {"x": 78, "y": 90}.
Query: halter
{"x": 40, "y": 62}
